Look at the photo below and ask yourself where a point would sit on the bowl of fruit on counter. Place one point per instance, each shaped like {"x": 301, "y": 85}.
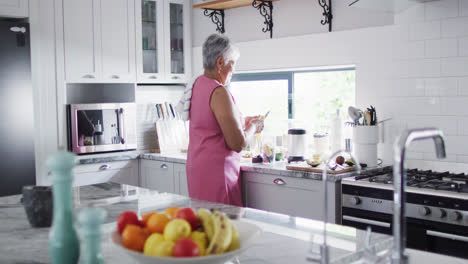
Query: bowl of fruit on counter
{"x": 183, "y": 235}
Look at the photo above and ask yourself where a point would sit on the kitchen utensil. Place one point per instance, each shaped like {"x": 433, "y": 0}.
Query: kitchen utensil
{"x": 266, "y": 115}
{"x": 248, "y": 234}
{"x": 368, "y": 119}
{"x": 297, "y": 143}
{"x": 355, "y": 114}
{"x": 366, "y": 139}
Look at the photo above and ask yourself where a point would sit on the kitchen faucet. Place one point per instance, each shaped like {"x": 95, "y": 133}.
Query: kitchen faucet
{"x": 324, "y": 256}
{"x": 399, "y": 183}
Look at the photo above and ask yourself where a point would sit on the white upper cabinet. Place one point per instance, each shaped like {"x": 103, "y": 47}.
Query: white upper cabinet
{"x": 163, "y": 41}
{"x": 118, "y": 40}
{"x": 14, "y": 8}
{"x": 81, "y": 37}
{"x": 99, "y": 38}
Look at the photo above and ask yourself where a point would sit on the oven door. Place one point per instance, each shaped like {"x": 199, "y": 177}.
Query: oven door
{"x": 96, "y": 128}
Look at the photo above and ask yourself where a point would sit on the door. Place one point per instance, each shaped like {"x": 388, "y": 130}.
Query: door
{"x": 157, "y": 175}
{"x": 117, "y": 20}
{"x": 149, "y": 40}
{"x": 177, "y": 39}
{"x": 81, "y": 37}
{"x": 16, "y": 106}
{"x": 14, "y": 8}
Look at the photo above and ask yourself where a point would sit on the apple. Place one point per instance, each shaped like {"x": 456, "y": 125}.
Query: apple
{"x": 185, "y": 247}
{"x": 127, "y": 218}
{"x": 189, "y": 215}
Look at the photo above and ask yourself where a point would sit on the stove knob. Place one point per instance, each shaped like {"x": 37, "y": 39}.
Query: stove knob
{"x": 455, "y": 216}
{"x": 439, "y": 213}
{"x": 423, "y": 211}
{"x": 355, "y": 200}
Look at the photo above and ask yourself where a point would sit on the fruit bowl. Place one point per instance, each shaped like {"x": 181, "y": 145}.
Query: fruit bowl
{"x": 248, "y": 233}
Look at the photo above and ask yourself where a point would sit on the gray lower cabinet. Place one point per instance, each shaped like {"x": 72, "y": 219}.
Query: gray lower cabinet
{"x": 157, "y": 175}
{"x": 180, "y": 179}
{"x": 288, "y": 195}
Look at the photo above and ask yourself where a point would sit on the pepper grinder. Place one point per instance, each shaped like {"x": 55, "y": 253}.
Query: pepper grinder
{"x": 90, "y": 220}
{"x": 63, "y": 241}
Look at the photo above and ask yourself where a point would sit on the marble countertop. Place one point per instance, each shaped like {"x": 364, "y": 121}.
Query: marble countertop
{"x": 278, "y": 168}
{"x": 285, "y": 239}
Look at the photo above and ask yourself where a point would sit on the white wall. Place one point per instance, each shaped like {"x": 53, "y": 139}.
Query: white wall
{"x": 290, "y": 18}
{"x": 415, "y": 71}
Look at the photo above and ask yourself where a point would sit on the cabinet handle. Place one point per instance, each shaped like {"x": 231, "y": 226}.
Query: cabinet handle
{"x": 153, "y": 77}
{"x": 89, "y": 76}
{"x": 164, "y": 166}
{"x": 104, "y": 167}
{"x": 115, "y": 77}
{"x": 175, "y": 77}
{"x": 279, "y": 181}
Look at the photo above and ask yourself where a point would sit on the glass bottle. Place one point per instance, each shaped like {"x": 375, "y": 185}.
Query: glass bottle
{"x": 63, "y": 241}
{"x": 91, "y": 220}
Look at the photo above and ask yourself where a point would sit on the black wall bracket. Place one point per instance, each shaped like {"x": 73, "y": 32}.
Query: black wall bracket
{"x": 327, "y": 13}
{"x": 217, "y": 17}
{"x": 266, "y": 10}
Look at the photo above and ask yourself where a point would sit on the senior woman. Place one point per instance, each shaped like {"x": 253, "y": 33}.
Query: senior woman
{"x": 217, "y": 130}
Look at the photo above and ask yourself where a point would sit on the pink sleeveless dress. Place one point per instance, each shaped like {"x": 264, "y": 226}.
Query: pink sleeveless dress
{"x": 213, "y": 170}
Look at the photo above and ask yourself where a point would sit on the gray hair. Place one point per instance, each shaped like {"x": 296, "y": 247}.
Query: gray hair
{"x": 218, "y": 45}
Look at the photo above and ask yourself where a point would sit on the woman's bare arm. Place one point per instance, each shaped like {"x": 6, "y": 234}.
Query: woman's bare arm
{"x": 229, "y": 119}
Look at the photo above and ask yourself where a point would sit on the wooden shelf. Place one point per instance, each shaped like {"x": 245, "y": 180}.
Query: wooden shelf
{"x": 226, "y": 4}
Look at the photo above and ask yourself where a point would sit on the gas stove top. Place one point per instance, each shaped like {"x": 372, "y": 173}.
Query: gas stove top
{"x": 423, "y": 179}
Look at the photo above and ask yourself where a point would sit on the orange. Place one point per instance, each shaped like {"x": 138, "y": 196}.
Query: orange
{"x": 172, "y": 211}
{"x": 134, "y": 237}
{"x": 145, "y": 217}
{"x": 157, "y": 222}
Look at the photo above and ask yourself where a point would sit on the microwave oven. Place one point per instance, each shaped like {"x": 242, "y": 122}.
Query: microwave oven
{"x": 98, "y": 128}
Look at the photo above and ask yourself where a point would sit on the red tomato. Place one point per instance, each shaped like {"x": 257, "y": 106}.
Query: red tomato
{"x": 127, "y": 218}
{"x": 189, "y": 215}
{"x": 185, "y": 247}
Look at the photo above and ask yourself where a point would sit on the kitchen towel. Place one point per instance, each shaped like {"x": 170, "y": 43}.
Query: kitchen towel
{"x": 183, "y": 107}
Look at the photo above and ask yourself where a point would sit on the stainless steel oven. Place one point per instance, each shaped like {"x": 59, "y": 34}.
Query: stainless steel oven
{"x": 436, "y": 208}
{"x": 97, "y": 128}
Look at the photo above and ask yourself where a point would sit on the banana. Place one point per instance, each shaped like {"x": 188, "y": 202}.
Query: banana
{"x": 235, "y": 242}
{"x": 222, "y": 235}
{"x": 207, "y": 221}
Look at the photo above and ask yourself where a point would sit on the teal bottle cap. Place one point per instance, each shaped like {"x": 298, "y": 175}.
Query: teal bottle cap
{"x": 92, "y": 216}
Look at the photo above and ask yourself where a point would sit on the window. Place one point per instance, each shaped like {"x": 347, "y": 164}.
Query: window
{"x": 311, "y": 98}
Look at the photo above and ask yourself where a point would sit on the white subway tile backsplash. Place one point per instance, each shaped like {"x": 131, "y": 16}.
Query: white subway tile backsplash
{"x": 463, "y": 86}
{"x": 438, "y": 48}
{"x": 441, "y": 87}
{"x": 424, "y": 68}
{"x": 463, "y": 126}
{"x": 406, "y": 87}
{"x": 463, "y": 8}
{"x": 410, "y": 15}
{"x": 416, "y": 106}
{"x": 432, "y": 156}
{"x": 455, "y": 27}
{"x": 463, "y": 47}
{"x": 448, "y": 124}
{"x": 454, "y": 106}
{"x": 424, "y": 146}
{"x": 456, "y": 145}
{"x": 441, "y": 9}
{"x": 414, "y": 155}
{"x": 462, "y": 158}
{"x": 454, "y": 66}
{"x": 415, "y": 50}
{"x": 425, "y": 30}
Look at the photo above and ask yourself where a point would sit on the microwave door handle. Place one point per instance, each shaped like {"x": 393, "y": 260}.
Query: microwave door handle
{"x": 121, "y": 126}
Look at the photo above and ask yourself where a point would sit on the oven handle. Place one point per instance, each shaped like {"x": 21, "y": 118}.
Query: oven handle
{"x": 366, "y": 221}
{"x": 445, "y": 235}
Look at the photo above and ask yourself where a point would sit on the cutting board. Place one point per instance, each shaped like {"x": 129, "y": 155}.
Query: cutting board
{"x": 306, "y": 167}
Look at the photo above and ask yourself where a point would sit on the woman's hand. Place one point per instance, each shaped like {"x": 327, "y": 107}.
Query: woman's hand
{"x": 256, "y": 122}
{"x": 248, "y": 119}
